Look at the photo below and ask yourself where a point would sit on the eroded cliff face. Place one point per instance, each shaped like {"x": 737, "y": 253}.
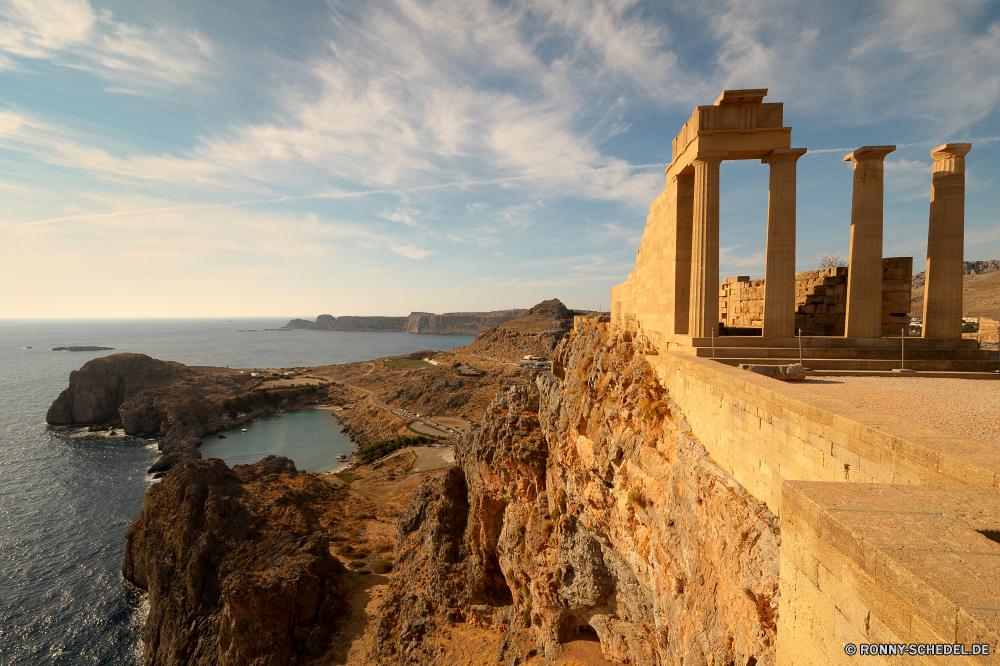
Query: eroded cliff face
{"x": 458, "y": 323}
{"x": 237, "y": 564}
{"x": 591, "y": 507}
{"x": 150, "y": 396}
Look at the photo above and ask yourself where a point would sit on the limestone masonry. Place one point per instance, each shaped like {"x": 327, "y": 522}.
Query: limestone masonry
{"x": 890, "y": 530}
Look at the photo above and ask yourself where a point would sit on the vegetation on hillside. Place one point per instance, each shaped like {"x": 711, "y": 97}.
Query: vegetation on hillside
{"x": 387, "y": 446}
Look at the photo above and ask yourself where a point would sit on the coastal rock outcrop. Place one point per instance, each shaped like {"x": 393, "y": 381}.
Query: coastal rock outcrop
{"x": 535, "y": 333}
{"x": 458, "y": 323}
{"x": 237, "y": 564}
{"x": 149, "y": 396}
{"x": 327, "y": 322}
{"x": 592, "y": 510}
{"x": 451, "y": 323}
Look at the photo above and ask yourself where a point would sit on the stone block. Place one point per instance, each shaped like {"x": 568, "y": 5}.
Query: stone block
{"x": 793, "y": 372}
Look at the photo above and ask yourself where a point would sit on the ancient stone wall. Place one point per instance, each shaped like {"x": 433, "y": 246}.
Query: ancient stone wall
{"x": 765, "y": 432}
{"x": 820, "y": 299}
{"x": 989, "y": 331}
{"x": 898, "y": 565}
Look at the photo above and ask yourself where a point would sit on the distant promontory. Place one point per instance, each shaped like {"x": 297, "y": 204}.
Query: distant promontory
{"x": 82, "y": 348}
{"x": 453, "y": 323}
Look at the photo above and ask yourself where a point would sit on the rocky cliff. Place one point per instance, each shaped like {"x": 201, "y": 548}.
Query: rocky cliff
{"x": 452, "y": 323}
{"x": 145, "y": 395}
{"x": 237, "y": 564}
{"x": 583, "y": 505}
{"x": 327, "y": 322}
{"x": 535, "y": 333}
{"x": 458, "y": 323}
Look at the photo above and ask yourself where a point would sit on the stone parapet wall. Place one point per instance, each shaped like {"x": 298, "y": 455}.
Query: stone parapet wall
{"x": 989, "y": 331}
{"x": 900, "y": 565}
{"x": 765, "y": 432}
{"x": 820, "y": 299}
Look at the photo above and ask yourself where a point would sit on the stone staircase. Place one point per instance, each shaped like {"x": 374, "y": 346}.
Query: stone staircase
{"x": 837, "y": 354}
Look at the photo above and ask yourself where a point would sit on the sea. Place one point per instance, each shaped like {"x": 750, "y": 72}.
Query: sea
{"x": 68, "y": 496}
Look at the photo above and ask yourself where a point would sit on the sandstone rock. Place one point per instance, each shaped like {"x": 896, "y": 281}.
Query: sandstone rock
{"x": 792, "y": 372}
{"x": 237, "y": 564}
{"x": 588, "y": 505}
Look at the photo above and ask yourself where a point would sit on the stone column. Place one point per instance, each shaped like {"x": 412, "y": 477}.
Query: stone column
{"x": 945, "y": 243}
{"x": 704, "y": 303}
{"x": 864, "y": 278}
{"x": 779, "y": 267}
{"x": 682, "y": 279}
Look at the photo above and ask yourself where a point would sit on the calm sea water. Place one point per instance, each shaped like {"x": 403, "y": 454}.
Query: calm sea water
{"x": 68, "y": 496}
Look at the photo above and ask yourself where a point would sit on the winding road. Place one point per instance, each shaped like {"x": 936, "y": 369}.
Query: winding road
{"x": 444, "y": 431}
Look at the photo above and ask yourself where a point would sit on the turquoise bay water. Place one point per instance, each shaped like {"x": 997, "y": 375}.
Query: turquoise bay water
{"x": 68, "y": 496}
{"x": 310, "y": 437}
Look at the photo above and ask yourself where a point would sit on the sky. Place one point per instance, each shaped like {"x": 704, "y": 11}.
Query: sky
{"x": 186, "y": 158}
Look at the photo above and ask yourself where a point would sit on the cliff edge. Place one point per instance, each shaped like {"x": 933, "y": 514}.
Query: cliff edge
{"x": 237, "y": 564}
{"x": 585, "y": 506}
{"x": 148, "y": 396}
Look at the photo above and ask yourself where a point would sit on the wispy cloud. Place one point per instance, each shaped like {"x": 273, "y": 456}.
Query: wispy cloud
{"x": 411, "y": 252}
{"x": 72, "y": 33}
{"x": 929, "y": 60}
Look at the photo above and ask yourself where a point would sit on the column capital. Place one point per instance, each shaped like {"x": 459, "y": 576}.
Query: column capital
{"x": 710, "y": 156}
{"x": 865, "y": 153}
{"x": 783, "y": 155}
{"x": 950, "y": 151}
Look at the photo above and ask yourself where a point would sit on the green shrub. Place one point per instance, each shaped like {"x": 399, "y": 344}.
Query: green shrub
{"x": 384, "y": 548}
{"x": 387, "y": 446}
{"x": 382, "y": 566}
{"x": 636, "y": 497}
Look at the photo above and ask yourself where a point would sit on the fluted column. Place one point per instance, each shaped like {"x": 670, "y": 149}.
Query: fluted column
{"x": 946, "y": 243}
{"x": 704, "y": 303}
{"x": 864, "y": 277}
{"x": 779, "y": 267}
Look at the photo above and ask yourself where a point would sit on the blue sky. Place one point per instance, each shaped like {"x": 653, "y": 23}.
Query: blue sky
{"x": 244, "y": 158}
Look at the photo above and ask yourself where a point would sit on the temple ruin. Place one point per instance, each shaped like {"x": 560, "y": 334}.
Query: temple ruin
{"x": 673, "y": 295}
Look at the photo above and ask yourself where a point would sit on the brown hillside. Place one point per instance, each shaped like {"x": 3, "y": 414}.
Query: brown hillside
{"x": 536, "y": 332}
{"x": 981, "y": 296}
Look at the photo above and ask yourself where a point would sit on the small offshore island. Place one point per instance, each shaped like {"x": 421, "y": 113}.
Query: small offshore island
{"x": 82, "y": 348}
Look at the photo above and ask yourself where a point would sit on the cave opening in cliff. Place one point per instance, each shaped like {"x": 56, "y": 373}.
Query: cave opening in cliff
{"x": 573, "y": 628}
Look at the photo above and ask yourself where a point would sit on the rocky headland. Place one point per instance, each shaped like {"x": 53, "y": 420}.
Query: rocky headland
{"x": 237, "y": 565}
{"x": 143, "y": 395}
{"x": 450, "y": 323}
{"x": 82, "y": 348}
{"x": 327, "y": 322}
{"x": 534, "y": 333}
{"x": 458, "y": 323}
{"x": 582, "y": 510}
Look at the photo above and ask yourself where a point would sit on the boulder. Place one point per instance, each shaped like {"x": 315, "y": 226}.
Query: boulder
{"x": 792, "y": 372}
